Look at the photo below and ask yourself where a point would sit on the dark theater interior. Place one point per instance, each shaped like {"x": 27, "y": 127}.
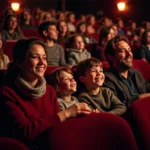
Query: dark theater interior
{"x": 74, "y": 75}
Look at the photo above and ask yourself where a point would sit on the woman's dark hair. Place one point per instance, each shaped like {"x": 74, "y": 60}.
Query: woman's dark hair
{"x": 103, "y": 34}
{"x": 6, "y": 12}
{"x": 6, "y": 22}
{"x": 19, "y": 54}
{"x": 22, "y": 20}
{"x": 79, "y": 25}
{"x": 1, "y": 51}
{"x": 144, "y": 35}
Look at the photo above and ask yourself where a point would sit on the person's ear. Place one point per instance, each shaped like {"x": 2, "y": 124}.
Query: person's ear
{"x": 82, "y": 79}
{"x": 45, "y": 33}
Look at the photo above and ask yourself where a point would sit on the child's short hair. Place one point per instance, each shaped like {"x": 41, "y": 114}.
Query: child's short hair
{"x": 44, "y": 27}
{"x": 86, "y": 64}
{"x": 72, "y": 38}
{"x": 53, "y": 78}
{"x": 81, "y": 70}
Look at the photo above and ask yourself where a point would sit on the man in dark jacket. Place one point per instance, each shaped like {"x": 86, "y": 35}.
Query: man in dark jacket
{"x": 126, "y": 82}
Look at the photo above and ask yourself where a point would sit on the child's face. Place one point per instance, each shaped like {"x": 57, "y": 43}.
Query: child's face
{"x": 78, "y": 43}
{"x": 67, "y": 84}
{"x": 94, "y": 77}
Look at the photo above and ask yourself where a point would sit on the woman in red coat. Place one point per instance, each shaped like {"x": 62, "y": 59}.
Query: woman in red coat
{"x": 29, "y": 107}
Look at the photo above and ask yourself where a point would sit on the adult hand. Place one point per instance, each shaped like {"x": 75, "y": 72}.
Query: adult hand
{"x": 144, "y": 95}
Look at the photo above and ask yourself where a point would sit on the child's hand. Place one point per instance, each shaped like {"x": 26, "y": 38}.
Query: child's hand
{"x": 77, "y": 109}
{"x": 95, "y": 111}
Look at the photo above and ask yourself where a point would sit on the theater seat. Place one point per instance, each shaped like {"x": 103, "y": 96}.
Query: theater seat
{"x": 11, "y": 144}
{"x": 7, "y": 49}
{"x": 105, "y": 65}
{"x": 101, "y": 131}
{"x": 144, "y": 68}
{"x": 51, "y": 68}
{"x": 138, "y": 116}
{"x": 31, "y": 33}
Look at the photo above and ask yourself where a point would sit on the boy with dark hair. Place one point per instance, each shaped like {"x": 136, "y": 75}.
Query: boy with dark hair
{"x": 90, "y": 73}
{"x": 55, "y": 51}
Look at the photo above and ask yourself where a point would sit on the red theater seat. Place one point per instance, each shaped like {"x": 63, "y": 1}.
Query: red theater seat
{"x": 7, "y": 49}
{"x": 11, "y": 144}
{"x": 51, "y": 68}
{"x": 31, "y": 33}
{"x": 96, "y": 131}
{"x": 138, "y": 116}
{"x": 144, "y": 68}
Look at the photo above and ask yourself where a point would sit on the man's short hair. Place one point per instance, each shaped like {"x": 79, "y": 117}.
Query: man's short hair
{"x": 44, "y": 27}
{"x": 110, "y": 49}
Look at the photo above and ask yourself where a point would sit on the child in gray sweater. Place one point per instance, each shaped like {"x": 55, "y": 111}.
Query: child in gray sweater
{"x": 63, "y": 82}
{"x": 77, "y": 51}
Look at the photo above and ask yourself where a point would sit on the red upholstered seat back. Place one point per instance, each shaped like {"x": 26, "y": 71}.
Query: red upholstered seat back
{"x": 11, "y": 144}
{"x": 138, "y": 116}
{"x": 96, "y": 131}
{"x": 7, "y": 48}
{"x": 31, "y": 33}
{"x": 143, "y": 67}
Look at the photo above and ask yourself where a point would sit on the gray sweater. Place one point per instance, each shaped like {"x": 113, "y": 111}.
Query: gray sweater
{"x": 75, "y": 56}
{"x": 56, "y": 56}
{"x": 14, "y": 36}
{"x": 65, "y": 104}
{"x": 104, "y": 101}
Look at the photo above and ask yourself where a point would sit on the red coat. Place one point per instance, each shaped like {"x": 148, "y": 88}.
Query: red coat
{"x": 24, "y": 118}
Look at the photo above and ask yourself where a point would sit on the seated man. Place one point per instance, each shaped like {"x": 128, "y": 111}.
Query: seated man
{"x": 55, "y": 52}
{"x": 126, "y": 82}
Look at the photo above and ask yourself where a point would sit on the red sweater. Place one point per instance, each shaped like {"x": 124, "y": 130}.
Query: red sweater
{"x": 26, "y": 118}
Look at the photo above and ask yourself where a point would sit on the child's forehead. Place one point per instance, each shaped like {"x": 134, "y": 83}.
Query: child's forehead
{"x": 96, "y": 65}
{"x": 65, "y": 73}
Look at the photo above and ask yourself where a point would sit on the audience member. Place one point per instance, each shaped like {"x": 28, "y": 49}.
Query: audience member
{"x": 77, "y": 51}
{"x": 70, "y": 22}
{"x": 29, "y": 107}
{"x": 10, "y": 29}
{"x": 4, "y": 60}
{"x": 126, "y": 82}
{"x": 63, "y": 82}
{"x": 26, "y": 21}
{"x": 106, "y": 34}
{"x": 63, "y": 32}
{"x": 90, "y": 73}
{"x": 55, "y": 51}
{"x": 144, "y": 51}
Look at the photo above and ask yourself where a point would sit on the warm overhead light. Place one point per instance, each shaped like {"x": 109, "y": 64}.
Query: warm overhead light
{"x": 121, "y": 6}
{"x": 15, "y": 6}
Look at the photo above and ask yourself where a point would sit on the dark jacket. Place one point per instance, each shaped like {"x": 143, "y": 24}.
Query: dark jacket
{"x": 121, "y": 90}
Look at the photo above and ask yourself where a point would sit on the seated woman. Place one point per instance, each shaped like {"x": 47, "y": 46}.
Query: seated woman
{"x": 82, "y": 29}
{"x": 106, "y": 34}
{"x": 63, "y": 32}
{"x": 26, "y": 21}
{"x": 10, "y": 29}
{"x": 29, "y": 107}
{"x": 4, "y": 60}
